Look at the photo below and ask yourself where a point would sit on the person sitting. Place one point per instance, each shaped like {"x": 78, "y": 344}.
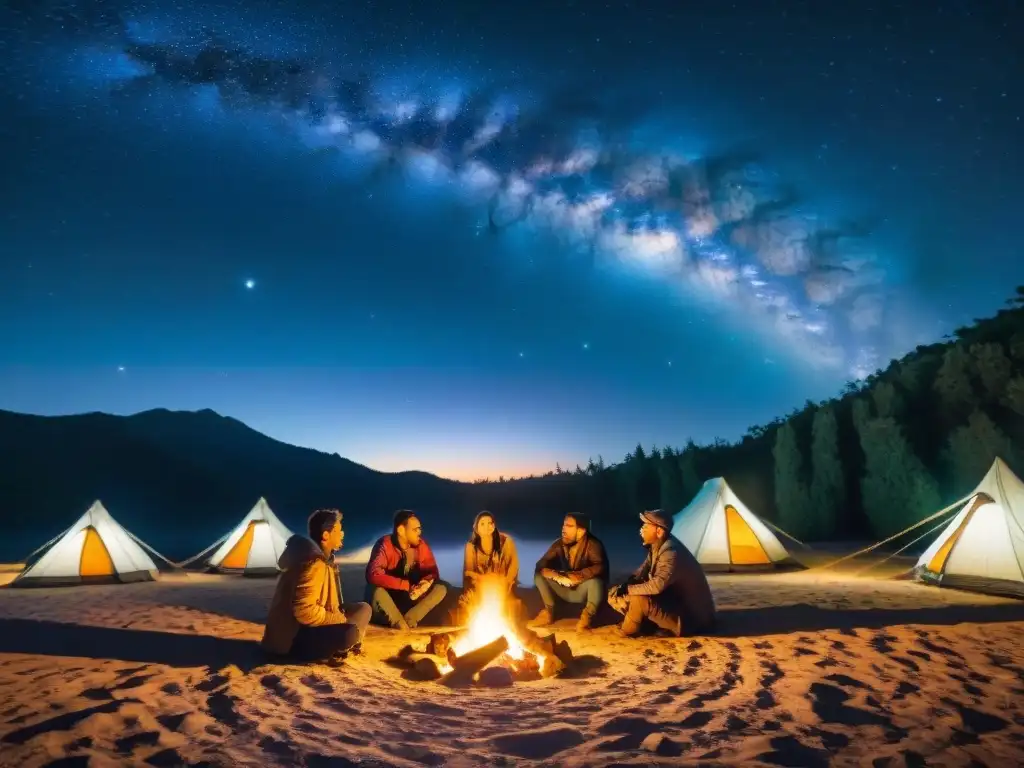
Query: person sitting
{"x": 402, "y": 580}
{"x": 308, "y": 618}
{"x": 488, "y": 552}
{"x": 573, "y": 570}
{"x": 669, "y": 590}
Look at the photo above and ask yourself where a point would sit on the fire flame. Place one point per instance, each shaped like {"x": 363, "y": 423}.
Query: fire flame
{"x": 489, "y": 619}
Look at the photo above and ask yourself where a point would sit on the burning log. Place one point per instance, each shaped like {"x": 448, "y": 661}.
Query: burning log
{"x": 439, "y": 644}
{"x": 466, "y": 667}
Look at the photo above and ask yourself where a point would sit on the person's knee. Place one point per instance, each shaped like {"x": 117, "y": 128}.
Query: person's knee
{"x": 360, "y": 613}
{"x": 538, "y": 580}
{"x": 595, "y": 589}
{"x": 438, "y": 591}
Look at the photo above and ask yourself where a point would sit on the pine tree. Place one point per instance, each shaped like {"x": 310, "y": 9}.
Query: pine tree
{"x": 791, "y": 496}
{"x": 689, "y": 479}
{"x": 973, "y": 447}
{"x": 1014, "y": 397}
{"x": 828, "y": 486}
{"x": 952, "y": 382}
{"x": 994, "y": 368}
{"x": 670, "y": 487}
{"x": 887, "y": 400}
{"x": 896, "y": 489}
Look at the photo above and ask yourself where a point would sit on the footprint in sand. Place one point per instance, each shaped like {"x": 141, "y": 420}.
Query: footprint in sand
{"x": 317, "y": 683}
{"x": 280, "y": 688}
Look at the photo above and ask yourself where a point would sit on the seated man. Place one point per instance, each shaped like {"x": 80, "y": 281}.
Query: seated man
{"x": 308, "y": 619}
{"x": 669, "y": 590}
{"x": 402, "y": 580}
{"x": 573, "y": 570}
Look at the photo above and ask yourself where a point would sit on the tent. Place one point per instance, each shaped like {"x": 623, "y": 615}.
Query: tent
{"x": 252, "y": 548}
{"x": 95, "y": 549}
{"x": 726, "y": 536}
{"x": 982, "y": 547}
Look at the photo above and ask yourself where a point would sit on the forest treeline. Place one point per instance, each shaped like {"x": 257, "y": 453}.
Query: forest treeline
{"x": 882, "y": 455}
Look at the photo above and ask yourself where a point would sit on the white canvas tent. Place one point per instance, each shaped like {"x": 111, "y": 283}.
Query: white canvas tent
{"x": 726, "y": 536}
{"x": 95, "y": 549}
{"x": 982, "y": 547}
{"x": 252, "y": 548}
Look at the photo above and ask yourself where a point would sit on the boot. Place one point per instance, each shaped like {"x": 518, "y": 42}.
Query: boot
{"x": 544, "y": 618}
{"x": 586, "y": 618}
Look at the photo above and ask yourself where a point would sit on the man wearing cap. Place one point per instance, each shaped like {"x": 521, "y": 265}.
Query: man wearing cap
{"x": 669, "y": 590}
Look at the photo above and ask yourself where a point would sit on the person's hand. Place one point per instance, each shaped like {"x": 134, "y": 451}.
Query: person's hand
{"x": 572, "y": 580}
{"x": 420, "y": 589}
{"x": 620, "y": 590}
{"x": 565, "y": 581}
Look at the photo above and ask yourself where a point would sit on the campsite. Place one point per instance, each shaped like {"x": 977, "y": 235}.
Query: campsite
{"x": 820, "y": 658}
{"x": 574, "y": 384}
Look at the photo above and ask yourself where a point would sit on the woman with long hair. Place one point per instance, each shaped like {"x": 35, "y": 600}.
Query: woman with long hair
{"x": 488, "y": 551}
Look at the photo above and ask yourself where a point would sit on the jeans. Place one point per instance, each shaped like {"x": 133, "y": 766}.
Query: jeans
{"x": 320, "y": 643}
{"x": 590, "y": 592}
{"x": 393, "y": 606}
{"x": 636, "y": 609}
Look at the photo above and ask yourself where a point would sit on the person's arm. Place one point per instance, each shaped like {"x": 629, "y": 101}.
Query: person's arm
{"x": 549, "y": 559}
{"x": 376, "y": 571}
{"x": 596, "y": 563}
{"x": 428, "y": 564}
{"x": 305, "y": 604}
{"x": 660, "y": 576}
{"x": 511, "y": 562}
{"x": 468, "y": 574}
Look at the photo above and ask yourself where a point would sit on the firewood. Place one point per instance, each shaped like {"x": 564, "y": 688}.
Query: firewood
{"x": 466, "y": 667}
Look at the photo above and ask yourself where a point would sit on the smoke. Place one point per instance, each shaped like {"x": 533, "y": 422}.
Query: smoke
{"x": 722, "y": 227}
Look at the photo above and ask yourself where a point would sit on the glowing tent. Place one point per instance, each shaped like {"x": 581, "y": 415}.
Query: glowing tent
{"x": 95, "y": 549}
{"x": 982, "y": 547}
{"x": 252, "y": 548}
{"x": 726, "y": 536}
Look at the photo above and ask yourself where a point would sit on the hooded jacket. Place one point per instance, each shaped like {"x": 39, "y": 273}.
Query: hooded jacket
{"x": 308, "y": 594}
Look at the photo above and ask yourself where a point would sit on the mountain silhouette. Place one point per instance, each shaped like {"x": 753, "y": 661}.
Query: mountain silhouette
{"x": 181, "y": 479}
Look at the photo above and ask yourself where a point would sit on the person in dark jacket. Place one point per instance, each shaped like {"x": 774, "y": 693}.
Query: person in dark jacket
{"x": 573, "y": 570}
{"x": 309, "y": 619}
{"x": 402, "y": 580}
{"x": 670, "y": 590}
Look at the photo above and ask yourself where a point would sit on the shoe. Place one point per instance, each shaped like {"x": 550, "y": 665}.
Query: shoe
{"x": 623, "y": 631}
{"x": 586, "y": 618}
{"x": 337, "y": 660}
{"x": 356, "y": 650}
{"x": 402, "y": 625}
{"x": 543, "y": 619}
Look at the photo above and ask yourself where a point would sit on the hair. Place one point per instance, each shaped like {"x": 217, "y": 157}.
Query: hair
{"x": 402, "y": 517}
{"x": 321, "y": 521}
{"x": 582, "y": 521}
{"x": 475, "y": 537}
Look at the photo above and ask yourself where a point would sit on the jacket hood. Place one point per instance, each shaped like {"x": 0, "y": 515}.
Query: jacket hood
{"x": 299, "y": 550}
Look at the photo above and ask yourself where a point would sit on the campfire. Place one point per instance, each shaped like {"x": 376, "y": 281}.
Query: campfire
{"x": 492, "y": 649}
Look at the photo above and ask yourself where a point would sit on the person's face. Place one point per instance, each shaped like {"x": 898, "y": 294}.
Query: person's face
{"x": 650, "y": 534}
{"x": 333, "y": 538}
{"x": 485, "y": 527}
{"x": 413, "y": 531}
{"x": 571, "y": 533}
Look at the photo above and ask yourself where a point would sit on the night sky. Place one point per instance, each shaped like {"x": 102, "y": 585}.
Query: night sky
{"x": 482, "y": 238}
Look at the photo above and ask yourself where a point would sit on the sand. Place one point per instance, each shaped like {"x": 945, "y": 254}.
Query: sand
{"x": 810, "y": 668}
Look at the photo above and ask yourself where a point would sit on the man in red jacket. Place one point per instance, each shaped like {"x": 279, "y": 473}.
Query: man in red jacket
{"x": 402, "y": 581}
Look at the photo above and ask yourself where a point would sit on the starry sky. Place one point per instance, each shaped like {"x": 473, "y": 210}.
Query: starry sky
{"x": 482, "y": 238}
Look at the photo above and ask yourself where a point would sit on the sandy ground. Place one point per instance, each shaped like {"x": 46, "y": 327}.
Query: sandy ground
{"x": 809, "y": 669}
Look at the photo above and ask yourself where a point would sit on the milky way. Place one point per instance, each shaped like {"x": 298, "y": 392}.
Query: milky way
{"x": 721, "y": 229}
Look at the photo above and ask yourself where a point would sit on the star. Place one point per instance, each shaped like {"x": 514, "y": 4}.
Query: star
{"x": 522, "y": 354}
{"x": 250, "y": 284}
{"x": 120, "y": 369}
{"x": 586, "y": 345}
